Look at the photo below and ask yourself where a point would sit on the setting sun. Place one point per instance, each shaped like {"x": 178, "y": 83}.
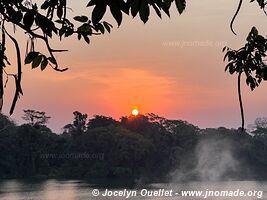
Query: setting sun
{"x": 135, "y": 112}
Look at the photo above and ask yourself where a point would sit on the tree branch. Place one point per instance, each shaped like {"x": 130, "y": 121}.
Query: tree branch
{"x": 240, "y": 101}
{"x": 236, "y": 13}
{"x": 18, "y": 76}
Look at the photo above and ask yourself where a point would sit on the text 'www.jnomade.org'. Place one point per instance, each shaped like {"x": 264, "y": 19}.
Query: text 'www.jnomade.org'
{"x": 126, "y": 193}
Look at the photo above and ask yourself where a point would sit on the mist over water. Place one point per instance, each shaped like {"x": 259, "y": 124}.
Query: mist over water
{"x": 211, "y": 160}
{"x": 214, "y": 165}
{"x": 215, "y": 160}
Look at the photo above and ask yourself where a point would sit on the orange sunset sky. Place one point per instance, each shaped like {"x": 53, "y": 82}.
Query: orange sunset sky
{"x": 171, "y": 67}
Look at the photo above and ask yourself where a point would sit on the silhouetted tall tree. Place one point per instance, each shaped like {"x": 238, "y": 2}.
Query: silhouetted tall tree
{"x": 35, "y": 118}
{"x": 78, "y": 126}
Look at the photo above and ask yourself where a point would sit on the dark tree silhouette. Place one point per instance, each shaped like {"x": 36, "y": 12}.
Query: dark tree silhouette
{"x": 6, "y": 125}
{"x": 101, "y": 121}
{"x": 114, "y": 149}
{"x": 78, "y": 126}
{"x": 35, "y": 118}
{"x": 248, "y": 60}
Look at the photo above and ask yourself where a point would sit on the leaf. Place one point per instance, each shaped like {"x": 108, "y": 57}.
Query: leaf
{"x": 166, "y": 9}
{"x": 79, "y": 36}
{"x": 86, "y": 38}
{"x": 44, "y": 63}
{"x": 28, "y": 19}
{"x": 101, "y": 28}
{"x": 82, "y": 19}
{"x": 123, "y": 6}
{"x": 91, "y": 3}
{"x": 180, "y": 4}
{"x": 98, "y": 12}
{"x": 168, "y": 3}
{"x": 45, "y": 5}
{"x": 144, "y": 11}
{"x": 107, "y": 26}
{"x": 232, "y": 69}
{"x": 52, "y": 60}
{"x": 60, "y": 12}
{"x": 254, "y": 30}
{"x": 68, "y": 33}
{"x": 225, "y": 48}
{"x": 36, "y": 61}
{"x": 229, "y": 65}
{"x": 226, "y": 55}
{"x": 157, "y": 10}
{"x": 62, "y": 32}
{"x": 116, "y": 13}
{"x": 85, "y": 29}
{"x": 59, "y": 21}
{"x": 30, "y": 57}
{"x": 135, "y": 7}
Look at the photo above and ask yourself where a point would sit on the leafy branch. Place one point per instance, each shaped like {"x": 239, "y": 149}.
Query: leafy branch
{"x": 26, "y": 16}
{"x": 248, "y": 60}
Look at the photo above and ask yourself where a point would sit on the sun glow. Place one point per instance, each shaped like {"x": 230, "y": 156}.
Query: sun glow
{"x": 135, "y": 112}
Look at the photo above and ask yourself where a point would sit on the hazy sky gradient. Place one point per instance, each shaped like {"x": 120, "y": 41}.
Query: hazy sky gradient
{"x": 136, "y": 66}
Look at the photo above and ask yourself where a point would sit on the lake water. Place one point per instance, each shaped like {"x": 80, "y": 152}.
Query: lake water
{"x": 81, "y": 190}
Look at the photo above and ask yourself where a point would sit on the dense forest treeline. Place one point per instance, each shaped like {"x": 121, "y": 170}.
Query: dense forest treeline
{"x": 146, "y": 147}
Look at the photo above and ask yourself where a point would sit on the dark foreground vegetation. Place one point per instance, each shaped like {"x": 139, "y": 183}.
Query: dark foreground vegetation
{"x": 145, "y": 147}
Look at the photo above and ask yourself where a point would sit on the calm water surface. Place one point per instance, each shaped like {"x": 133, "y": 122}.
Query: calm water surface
{"x": 80, "y": 190}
